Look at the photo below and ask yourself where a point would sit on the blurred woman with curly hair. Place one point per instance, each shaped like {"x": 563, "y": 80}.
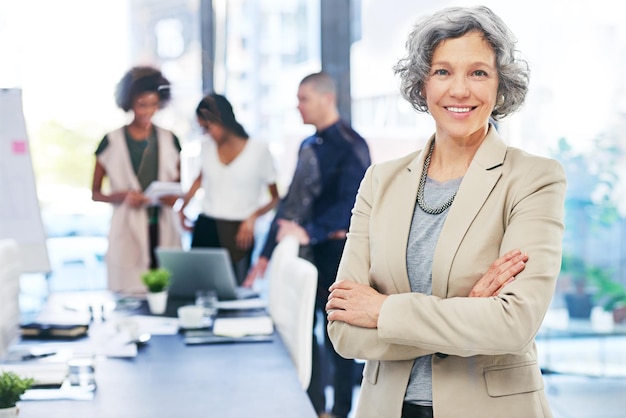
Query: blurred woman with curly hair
{"x": 132, "y": 157}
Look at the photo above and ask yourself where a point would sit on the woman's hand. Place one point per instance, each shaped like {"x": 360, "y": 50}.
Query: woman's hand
{"x": 245, "y": 234}
{"x": 354, "y": 303}
{"x": 258, "y": 270}
{"x": 185, "y": 222}
{"x": 500, "y": 273}
{"x": 169, "y": 200}
{"x": 286, "y": 227}
{"x": 136, "y": 199}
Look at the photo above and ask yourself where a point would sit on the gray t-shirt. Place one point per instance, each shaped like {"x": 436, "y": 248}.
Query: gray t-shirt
{"x": 423, "y": 237}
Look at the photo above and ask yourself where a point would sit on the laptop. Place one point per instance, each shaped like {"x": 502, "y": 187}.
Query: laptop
{"x": 201, "y": 269}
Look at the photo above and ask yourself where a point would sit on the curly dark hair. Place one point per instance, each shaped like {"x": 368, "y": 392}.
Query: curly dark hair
{"x": 139, "y": 80}
{"x": 452, "y": 23}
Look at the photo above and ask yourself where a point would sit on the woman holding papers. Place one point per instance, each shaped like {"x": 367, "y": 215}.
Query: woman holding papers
{"x": 235, "y": 172}
{"x": 133, "y": 157}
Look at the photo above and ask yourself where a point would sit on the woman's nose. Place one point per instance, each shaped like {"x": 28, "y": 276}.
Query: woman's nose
{"x": 459, "y": 87}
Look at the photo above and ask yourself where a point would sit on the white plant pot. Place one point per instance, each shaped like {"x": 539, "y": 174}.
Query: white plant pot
{"x": 157, "y": 302}
{"x": 8, "y": 412}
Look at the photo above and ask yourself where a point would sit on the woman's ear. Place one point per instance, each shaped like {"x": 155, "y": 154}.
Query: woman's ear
{"x": 499, "y": 101}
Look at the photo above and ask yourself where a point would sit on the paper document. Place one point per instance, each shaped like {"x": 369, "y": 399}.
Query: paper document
{"x": 43, "y": 373}
{"x": 156, "y": 325}
{"x": 158, "y": 189}
{"x": 240, "y": 327}
{"x": 207, "y": 337}
{"x": 253, "y": 303}
{"x": 65, "y": 391}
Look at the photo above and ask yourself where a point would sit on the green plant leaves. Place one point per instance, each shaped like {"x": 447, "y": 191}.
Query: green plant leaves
{"x": 12, "y": 387}
{"x": 156, "y": 280}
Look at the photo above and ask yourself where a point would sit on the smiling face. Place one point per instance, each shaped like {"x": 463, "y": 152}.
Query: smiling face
{"x": 462, "y": 87}
{"x": 145, "y": 105}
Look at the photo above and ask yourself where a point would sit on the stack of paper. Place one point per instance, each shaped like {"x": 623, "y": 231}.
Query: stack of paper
{"x": 159, "y": 189}
{"x": 45, "y": 374}
{"x": 243, "y": 326}
{"x": 242, "y": 304}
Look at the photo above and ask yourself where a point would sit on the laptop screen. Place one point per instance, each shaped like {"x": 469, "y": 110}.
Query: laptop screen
{"x": 199, "y": 269}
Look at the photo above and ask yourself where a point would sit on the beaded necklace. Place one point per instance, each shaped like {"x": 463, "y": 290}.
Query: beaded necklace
{"x": 420, "y": 191}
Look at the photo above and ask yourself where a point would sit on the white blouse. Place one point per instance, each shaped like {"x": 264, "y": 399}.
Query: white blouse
{"x": 234, "y": 191}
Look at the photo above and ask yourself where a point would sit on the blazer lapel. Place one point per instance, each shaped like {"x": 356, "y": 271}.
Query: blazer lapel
{"x": 478, "y": 182}
{"x": 404, "y": 192}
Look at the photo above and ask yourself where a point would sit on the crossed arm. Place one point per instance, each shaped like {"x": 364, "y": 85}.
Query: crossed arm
{"x": 359, "y": 304}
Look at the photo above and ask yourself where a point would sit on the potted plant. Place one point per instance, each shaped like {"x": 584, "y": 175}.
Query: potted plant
{"x": 156, "y": 281}
{"x": 609, "y": 294}
{"x": 12, "y": 387}
{"x": 578, "y": 299}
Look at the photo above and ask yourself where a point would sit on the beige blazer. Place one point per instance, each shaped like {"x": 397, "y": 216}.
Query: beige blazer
{"x": 486, "y": 365}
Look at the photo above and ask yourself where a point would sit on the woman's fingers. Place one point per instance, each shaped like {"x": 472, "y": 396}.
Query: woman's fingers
{"x": 244, "y": 240}
{"x": 354, "y": 303}
{"x": 501, "y": 272}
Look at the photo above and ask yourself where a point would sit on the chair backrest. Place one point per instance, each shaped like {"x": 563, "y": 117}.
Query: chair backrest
{"x": 286, "y": 249}
{"x": 10, "y": 271}
{"x": 293, "y": 311}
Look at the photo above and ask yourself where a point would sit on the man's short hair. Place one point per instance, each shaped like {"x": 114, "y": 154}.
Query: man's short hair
{"x": 322, "y": 82}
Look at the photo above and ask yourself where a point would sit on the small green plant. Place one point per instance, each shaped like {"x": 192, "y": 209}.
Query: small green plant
{"x": 609, "y": 293}
{"x": 12, "y": 387}
{"x": 575, "y": 267}
{"x": 156, "y": 280}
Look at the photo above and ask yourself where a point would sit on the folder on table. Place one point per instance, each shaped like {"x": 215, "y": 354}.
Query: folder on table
{"x": 53, "y": 331}
{"x": 234, "y": 330}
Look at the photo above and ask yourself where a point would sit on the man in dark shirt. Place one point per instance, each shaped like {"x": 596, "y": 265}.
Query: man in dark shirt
{"x": 317, "y": 209}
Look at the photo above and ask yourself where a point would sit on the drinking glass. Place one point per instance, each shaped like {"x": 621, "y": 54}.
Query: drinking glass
{"x": 208, "y": 300}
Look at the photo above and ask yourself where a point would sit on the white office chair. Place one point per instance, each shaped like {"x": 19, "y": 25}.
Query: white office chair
{"x": 292, "y": 312}
{"x": 286, "y": 249}
{"x": 10, "y": 270}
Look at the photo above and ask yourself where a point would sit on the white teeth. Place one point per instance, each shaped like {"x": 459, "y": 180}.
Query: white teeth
{"x": 459, "y": 109}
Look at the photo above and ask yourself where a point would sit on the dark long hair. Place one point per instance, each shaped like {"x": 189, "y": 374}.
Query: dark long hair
{"x": 215, "y": 108}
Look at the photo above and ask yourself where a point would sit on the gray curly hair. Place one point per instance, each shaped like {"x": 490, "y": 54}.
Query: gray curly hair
{"x": 454, "y": 22}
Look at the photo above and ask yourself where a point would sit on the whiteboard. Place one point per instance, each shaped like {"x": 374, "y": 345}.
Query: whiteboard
{"x": 20, "y": 216}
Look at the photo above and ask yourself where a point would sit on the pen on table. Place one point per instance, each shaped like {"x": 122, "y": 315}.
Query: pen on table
{"x": 32, "y": 356}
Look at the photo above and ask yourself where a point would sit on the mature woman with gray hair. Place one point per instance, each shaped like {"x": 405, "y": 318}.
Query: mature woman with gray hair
{"x": 446, "y": 330}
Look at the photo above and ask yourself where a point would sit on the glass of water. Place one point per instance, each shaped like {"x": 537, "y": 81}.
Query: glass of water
{"x": 208, "y": 300}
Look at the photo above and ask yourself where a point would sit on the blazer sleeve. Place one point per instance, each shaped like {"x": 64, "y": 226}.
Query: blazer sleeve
{"x": 351, "y": 341}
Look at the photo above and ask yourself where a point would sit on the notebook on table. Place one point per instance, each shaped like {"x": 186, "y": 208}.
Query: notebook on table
{"x": 201, "y": 269}
{"x": 256, "y": 327}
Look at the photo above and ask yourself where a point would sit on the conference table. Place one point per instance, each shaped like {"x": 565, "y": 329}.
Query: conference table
{"x": 168, "y": 378}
